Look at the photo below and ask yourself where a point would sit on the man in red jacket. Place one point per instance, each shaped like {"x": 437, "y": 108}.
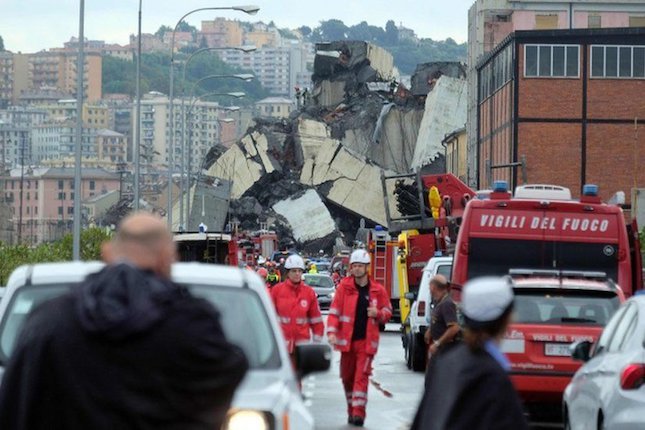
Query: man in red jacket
{"x": 297, "y": 306}
{"x": 360, "y": 305}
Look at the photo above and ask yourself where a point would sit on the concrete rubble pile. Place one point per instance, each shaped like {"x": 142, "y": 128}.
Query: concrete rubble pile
{"x": 315, "y": 175}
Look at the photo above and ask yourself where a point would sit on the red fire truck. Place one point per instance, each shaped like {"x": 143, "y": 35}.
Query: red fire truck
{"x": 432, "y": 206}
{"x": 542, "y": 227}
{"x": 240, "y": 248}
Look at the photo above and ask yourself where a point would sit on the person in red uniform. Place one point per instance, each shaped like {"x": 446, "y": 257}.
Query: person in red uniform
{"x": 297, "y": 306}
{"x": 360, "y": 305}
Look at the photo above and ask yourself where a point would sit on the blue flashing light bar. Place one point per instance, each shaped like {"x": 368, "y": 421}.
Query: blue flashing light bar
{"x": 500, "y": 187}
{"x": 590, "y": 190}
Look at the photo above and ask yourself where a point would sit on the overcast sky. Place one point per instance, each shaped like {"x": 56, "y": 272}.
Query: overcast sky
{"x": 32, "y": 25}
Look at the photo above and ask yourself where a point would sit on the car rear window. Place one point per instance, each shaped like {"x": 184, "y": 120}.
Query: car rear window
{"x": 562, "y": 306}
{"x": 319, "y": 281}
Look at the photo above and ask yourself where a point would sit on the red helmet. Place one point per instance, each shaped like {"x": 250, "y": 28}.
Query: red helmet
{"x": 262, "y": 272}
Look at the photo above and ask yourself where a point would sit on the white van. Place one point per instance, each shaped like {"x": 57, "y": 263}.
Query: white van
{"x": 419, "y": 319}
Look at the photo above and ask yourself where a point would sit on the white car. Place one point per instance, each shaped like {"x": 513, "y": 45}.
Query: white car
{"x": 269, "y": 396}
{"x": 608, "y": 391}
{"x": 419, "y": 319}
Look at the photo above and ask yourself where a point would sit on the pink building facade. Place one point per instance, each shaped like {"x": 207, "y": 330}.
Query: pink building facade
{"x": 45, "y": 211}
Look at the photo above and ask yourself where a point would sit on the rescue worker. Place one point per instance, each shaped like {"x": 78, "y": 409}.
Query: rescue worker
{"x": 360, "y": 305}
{"x": 312, "y": 268}
{"x": 297, "y": 307}
{"x": 336, "y": 276}
{"x": 460, "y": 393}
{"x": 263, "y": 273}
{"x": 273, "y": 277}
{"x": 444, "y": 327}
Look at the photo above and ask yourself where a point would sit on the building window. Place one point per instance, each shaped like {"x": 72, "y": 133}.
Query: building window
{"x": 61, "y": 196}
{"x": 35, "y": 210}
{"x": 70, "y": 210}
{"x": 637, "y": 21}
{"x": 617, "y": 61}
{"x": 551, "y": 61}
{"x": 92, "y": 185}
{"x": 60, "y": 210}
{"x": 594, "y": 21}
{"x": 60, "y": 185}
{"x": 546, "y": 22}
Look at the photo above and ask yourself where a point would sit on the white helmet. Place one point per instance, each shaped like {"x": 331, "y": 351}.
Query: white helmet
{"x": 294, "y": 262}
{"x": 360, "y": 256}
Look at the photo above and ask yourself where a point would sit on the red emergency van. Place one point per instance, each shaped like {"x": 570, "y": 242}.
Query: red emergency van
{"x": 542, "y": 227}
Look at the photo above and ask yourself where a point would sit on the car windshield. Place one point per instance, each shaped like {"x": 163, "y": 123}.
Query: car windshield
{"x": 319, "y": 281}
{"x": 561, "y": 306}
{"x": 243, "y": 319}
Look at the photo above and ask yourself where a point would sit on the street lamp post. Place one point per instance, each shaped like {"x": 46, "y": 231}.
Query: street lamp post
{"x": 137, "y": 139}
{"x": 183, "y": 189}
{"x": 245, "y": 49}
{"x": 76, "y": 236}
{"x": 250, "y": 10}
{"x": 189, "y": 149}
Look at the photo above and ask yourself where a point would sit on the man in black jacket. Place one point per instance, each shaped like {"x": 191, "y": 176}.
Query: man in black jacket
{"x": 126, "y": 349}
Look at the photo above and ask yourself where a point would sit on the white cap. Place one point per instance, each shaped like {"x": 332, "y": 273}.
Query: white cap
{"x": 485, "y": 299}
{"x": 360, "y": 256}
{"x": 294, "y": 262}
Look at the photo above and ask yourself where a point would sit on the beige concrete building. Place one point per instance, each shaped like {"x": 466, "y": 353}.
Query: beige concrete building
{"x": 20, "y": 76}
{"x": 275, "y": 107}
{"x": 111, "y": 146}
{"x": 117, "y": 51}
{"x": 456, "y": 152}
{"x": 221, "y": 32}
{"x": 57, "y": 69}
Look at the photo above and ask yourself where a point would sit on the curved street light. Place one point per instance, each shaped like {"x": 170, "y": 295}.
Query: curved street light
{"x": 244, "y": 77}
{"x": 250, "y": 10}
{"x": 186, "y": 191}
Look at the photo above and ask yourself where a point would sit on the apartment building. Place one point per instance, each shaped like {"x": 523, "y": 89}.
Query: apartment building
{"x": 200, "y": 125}
{"x": 57, "y": 69}
{"x": 6, "y": 78}
{"x": 491, "y": 21}
{"x": 111, "y": 146}
{"x": 274, "y": 107}
{"x": 41, "y": 200}
{"x": 563, "y": 107}
{"x": 221, "y": 32}
{"x": 279, "y": 69}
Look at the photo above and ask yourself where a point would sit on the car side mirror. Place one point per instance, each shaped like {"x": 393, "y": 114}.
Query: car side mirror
{"x": 580, "y": 350}
{"x": 410, "y": 295}
{"x": 312, "y": 357}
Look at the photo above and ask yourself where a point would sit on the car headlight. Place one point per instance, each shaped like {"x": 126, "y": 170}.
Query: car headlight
{"x": 331, "y": 296}
{"x": 246, "y": 419}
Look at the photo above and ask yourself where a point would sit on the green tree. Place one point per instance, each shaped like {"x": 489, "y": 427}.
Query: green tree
{"x": 162, "y": 30}
{"x": 331, "y": 30}
{"x": 12, "y": 256}
{"x": 305, "y": 31}
{"x": 391, "y": 33}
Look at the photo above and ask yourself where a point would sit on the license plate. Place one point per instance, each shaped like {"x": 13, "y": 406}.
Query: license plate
{"x": 557, "y": 350}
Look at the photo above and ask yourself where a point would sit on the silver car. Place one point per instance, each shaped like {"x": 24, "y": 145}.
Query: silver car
{"x": 608, "y": 391}
{"x": 269, "y": 396}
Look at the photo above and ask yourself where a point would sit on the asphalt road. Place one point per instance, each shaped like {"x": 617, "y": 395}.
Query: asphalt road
{"x": 326, "y": 399}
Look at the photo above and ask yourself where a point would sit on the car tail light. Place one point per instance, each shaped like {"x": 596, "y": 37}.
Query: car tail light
{"x": 632, "y": 376}
{"x": 421, "y": 309}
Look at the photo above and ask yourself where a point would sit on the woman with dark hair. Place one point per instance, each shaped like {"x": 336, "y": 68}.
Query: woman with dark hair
{"x": 469, "y": 387}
